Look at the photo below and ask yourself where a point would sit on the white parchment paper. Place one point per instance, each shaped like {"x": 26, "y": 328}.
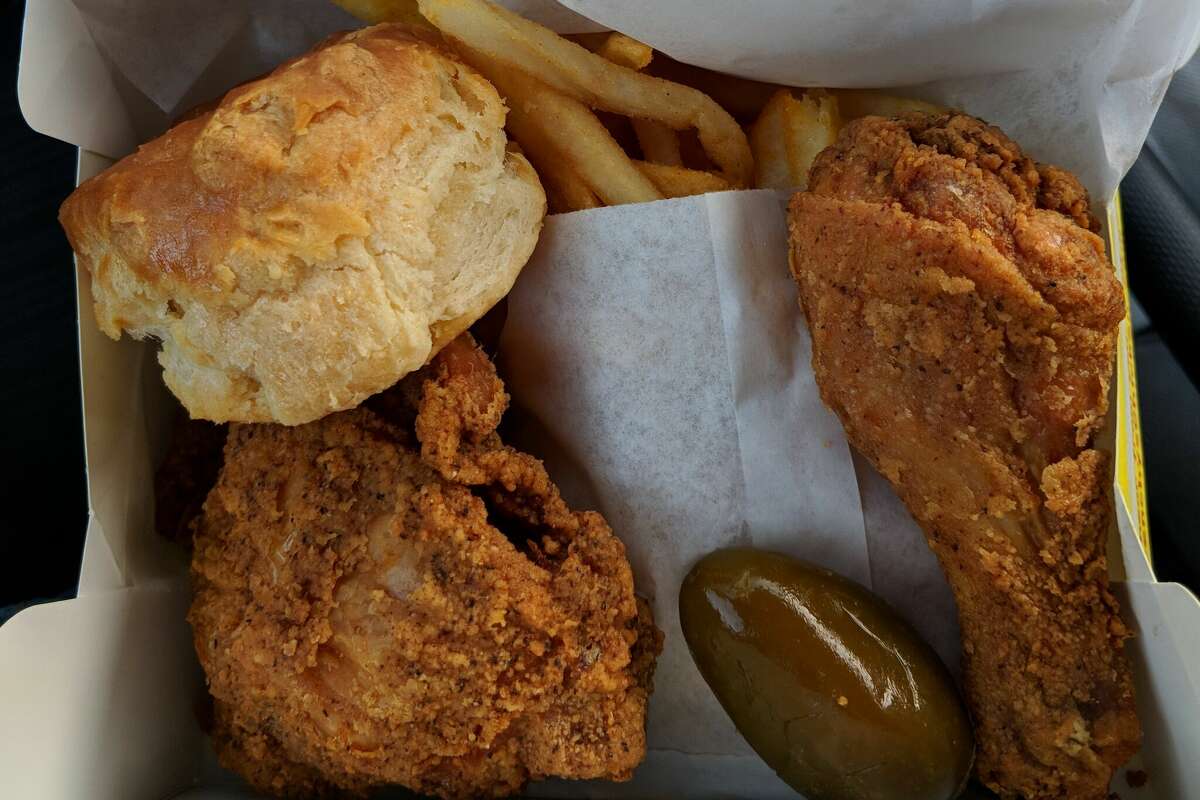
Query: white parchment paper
{"x": 671, "y": 368}
{"x": 655, "y": 353}
{"x": 658, "y": 361}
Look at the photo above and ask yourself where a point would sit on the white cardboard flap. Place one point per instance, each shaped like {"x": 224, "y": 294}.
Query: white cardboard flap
{"x": 98, "y": 571}
{"x": 126, "y": 414}
{"x": 97, "y": 87}
{"x": 1166, "y": 656}
{"x": 1134, "y": 562}
{"x": 64, "y": 86}
{"x": 98, "y": 696}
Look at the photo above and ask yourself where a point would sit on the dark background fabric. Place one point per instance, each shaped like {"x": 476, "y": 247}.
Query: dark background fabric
{"x": 1161, "y": 197}
{"x": 43, "y": 505}
{"x": 43, "y": 501}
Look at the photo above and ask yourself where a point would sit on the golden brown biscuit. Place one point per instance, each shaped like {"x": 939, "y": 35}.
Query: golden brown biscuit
{"x": 319, "y": 234}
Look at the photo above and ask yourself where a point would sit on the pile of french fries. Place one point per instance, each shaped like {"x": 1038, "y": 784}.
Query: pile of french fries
{"x": 605, "y": 120}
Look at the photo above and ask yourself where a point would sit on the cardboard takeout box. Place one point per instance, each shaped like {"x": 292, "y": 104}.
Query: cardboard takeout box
{"x": 97, "y": 693}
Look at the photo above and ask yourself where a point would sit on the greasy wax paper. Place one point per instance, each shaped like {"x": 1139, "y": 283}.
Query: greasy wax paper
{"x": 656, "y": 355}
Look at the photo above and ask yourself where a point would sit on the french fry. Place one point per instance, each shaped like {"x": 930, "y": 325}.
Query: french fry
{"x": 676, "y": 181}
{"x": 620, "y": 128}
{"x": 375, "y": 11}
{"x": 772, "y": 169}
{"x": 551, "y": 125}
{"x": 693, "y": 154}
{"x": 659, "y": 143}
{"x": 565, "y": 190}
{"x": 787, "y": 136}
{"x": 626, "y": 51}
{"x": 855, "y": 103}
{"x": 592, "y": 80}
{"x": 741, "y": 97}
{"x": 617, "y": 48}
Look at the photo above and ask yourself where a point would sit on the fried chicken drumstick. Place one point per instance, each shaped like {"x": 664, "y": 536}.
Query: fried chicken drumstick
{"x": 364, "y": 619}
{"x": 963, "y": 316}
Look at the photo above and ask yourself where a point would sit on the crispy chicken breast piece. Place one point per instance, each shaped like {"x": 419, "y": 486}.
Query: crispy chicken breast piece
{"x": 383, "y": 598}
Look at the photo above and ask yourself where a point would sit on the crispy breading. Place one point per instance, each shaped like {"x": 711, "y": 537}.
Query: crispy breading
{"x": 963, "y": 316}
{"x": 377, "y": 607}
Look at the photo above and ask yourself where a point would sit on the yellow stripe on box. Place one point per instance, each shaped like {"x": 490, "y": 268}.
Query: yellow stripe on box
{"x": 1131, "y": 479}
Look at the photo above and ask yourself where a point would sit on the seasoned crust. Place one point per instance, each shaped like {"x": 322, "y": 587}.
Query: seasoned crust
{"x": 375, "y": 605}
{"x": 318, "y": 234}
{"x": 964, "y": 318}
